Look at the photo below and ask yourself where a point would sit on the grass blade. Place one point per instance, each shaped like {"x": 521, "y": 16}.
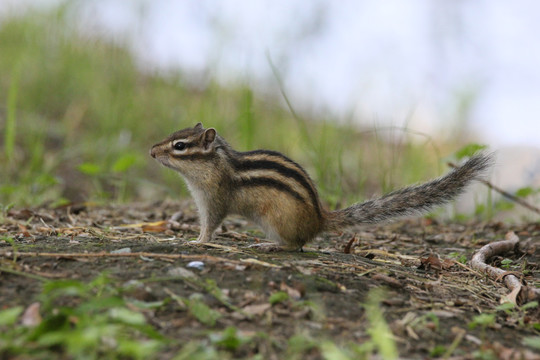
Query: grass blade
{"x": 9, "y": 133}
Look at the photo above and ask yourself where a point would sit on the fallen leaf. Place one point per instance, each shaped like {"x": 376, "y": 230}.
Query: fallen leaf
{"x": 447, "y": 263}
{"x": 506, "y": 353}
{"x": 23, "y": 231}
{"x": 23, "y": 214}
{"x": 348, "y": 247}
{"x": 31, "y": 316}
{"x": 295, "y": 294}
{"x": 159, "y": 228}
{"x": 257, "y": 309}
{"x": 431, "y": 262}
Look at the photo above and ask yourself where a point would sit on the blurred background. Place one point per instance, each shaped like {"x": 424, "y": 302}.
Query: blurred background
{"x": 367, "y": 95}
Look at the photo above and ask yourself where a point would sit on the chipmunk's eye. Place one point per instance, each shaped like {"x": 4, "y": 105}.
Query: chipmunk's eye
{"x": 180, "y": 145}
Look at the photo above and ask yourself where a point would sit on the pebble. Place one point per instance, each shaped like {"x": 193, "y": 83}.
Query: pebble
{"x": 199, "y": 265}
{"x": 121, "y": 251}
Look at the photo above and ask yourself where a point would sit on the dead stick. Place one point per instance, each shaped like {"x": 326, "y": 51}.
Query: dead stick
{"x": 105, "y": 254}
{"x": 479, "y": 259}
{"x": 505, "y": 194}
{"x": 22, "y": 273}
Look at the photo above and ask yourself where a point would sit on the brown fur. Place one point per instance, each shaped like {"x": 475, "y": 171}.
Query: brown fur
{"x": 277, "y": 193}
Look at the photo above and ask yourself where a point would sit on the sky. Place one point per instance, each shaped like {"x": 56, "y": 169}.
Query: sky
{"x": 435, "y": 66}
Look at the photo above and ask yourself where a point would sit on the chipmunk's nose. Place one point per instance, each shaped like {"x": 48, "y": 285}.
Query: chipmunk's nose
{"x": 153, "y": 152}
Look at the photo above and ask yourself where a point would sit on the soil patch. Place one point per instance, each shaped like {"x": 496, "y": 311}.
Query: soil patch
{"x": 430, "y": 300}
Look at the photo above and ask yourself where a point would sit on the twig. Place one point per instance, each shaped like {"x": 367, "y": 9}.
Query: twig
{"x": 478, "y": 262}
{"x": 22, "y": 273}
{"x": 106, "y": 254}
{"x": 505, "y": 193}
{"x": 103, "y": 254}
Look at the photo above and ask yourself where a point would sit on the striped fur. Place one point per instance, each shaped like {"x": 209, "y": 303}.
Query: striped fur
{"x": 286, "y": 174}
{"x": 277, "y": 193}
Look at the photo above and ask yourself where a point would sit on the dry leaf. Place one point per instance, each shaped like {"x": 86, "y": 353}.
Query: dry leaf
{"x": 145, "y": 225}
{"x": 257, "y": 309}
{"x": 431, "y": 262}
{"x": 23, "y": 214}
{"x": 155, "y": 228}
{"x": 295, "y": 294}
{"x": 447, "y": 263}
{"x": 23, "y": 231}
{"x": 348, "y": 247}
{"x": 31, "y": 316}
{"x": 506, "y": 353}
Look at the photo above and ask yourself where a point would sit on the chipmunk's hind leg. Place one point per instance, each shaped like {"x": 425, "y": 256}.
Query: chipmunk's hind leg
{"x": 277, "y": 243}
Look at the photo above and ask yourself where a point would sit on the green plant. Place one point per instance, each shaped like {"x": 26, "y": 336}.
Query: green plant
{"x": 518, "y": 312}
{"x": 380, "y": 333}
{"x": 11, "y": 241}
{"x": 469, "y": 150}
{"x": 437, "y": 351}
{"x": 197, "y": 351}
{"x": 278, "y": 297}
{"x": 229, "y": 339}
{"x": 9, "y": 131}
{"x": 505, "y": 263}
{"x": 89, "y": 114}
{"x": 298, "y": 345}
{"x": 461, "y": 258}
{"x": 80, "y": 320}
{"x": 532, "y": 341}
{"x": 483, "y": 321}
{"x": 201, "y": 311}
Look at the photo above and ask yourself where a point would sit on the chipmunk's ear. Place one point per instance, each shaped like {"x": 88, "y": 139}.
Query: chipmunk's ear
{"x": 198, "y": 126}
{"x": 208, "y": 137}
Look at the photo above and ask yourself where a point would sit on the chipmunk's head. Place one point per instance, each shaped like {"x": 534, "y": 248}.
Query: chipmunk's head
{"x": 187, "y": 150}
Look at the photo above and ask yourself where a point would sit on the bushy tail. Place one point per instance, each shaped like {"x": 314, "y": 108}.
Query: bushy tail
{"x": 412, "y": 200}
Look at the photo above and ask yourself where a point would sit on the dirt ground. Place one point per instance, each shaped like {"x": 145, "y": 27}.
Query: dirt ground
{"x": 427, "y": 303}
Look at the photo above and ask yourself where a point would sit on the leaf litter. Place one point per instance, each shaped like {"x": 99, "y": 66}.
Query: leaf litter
{"x": 264, "y": 303}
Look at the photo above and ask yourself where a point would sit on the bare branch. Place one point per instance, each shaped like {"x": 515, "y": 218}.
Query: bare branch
{"x": 505, "y": 193}
{"x": 518, "y": 292}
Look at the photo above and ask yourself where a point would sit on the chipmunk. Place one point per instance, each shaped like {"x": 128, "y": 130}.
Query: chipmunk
{"x": 276, "y": 193}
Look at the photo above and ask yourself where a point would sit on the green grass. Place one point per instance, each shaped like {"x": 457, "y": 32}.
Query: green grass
{"x": 98, "y": 319}
{"x": 100, "y": 326}
{"x": 78, "y": 117}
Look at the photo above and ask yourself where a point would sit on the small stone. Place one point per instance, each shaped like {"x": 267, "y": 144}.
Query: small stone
{"x": 199, "y": 265}
{"x": 182, "y": 272}
{"x": 121, "y": 251}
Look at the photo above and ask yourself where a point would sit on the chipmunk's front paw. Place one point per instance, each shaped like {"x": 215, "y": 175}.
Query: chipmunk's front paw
{"x": 197, "y": 242}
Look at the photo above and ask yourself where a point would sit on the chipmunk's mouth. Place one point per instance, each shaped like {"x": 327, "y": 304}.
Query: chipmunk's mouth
{"x": 164, "y": 160}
